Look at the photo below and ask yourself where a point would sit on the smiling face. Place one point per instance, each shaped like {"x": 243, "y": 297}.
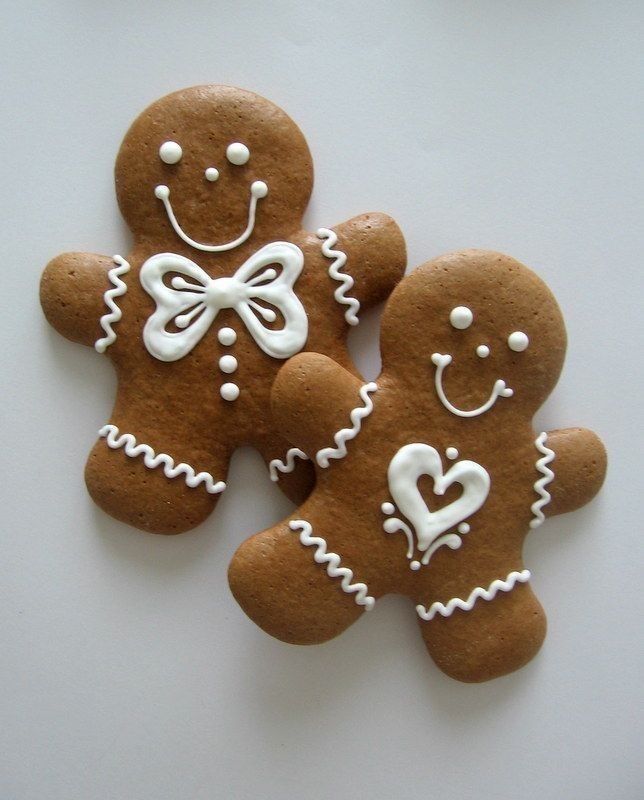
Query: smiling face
{"x": 489, "y": 333}
{"x": 213, "y": 167}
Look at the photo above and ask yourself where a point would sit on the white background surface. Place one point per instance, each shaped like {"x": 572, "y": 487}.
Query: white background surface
{"x": 127, "y": 670}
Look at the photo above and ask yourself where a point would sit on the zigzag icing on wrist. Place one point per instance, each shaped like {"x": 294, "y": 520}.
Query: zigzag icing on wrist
{"x": 288, "y": 465}
{"x": 339, "y": 260}
{"x": 332, "y": 561}
{"x": 540, "y": 485}
{"x": 153, "y": 460}
{"x": 346, "y": 434}
{"x": 479, "y": 593}
{"x": 114, "y": 315}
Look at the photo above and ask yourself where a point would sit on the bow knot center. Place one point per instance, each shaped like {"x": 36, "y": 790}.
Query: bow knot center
{"x": 224, "y": 293}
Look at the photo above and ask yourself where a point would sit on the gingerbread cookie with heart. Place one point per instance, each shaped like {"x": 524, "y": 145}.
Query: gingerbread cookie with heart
{"x": 221, "y": 285}
{"x": 428, "y": 479}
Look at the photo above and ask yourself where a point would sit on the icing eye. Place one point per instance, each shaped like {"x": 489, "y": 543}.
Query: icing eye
{"x": 482, "y": 351}
{"x": 170, "y": 153}
{"x": 461, "y": 317}
{"x": 237, "y": 153}
{"x": 212, "y": 173}
{"x": 518, "y": 341}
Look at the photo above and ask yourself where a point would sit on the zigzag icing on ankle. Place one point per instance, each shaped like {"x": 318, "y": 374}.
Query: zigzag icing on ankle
{"x": 332, "y": 561}
{"x": 339, "y": 260}
{"x": 288, "y": 465}
{"x": 346, "y": 434}
{"x": 479, "y": 593}
{"x": 114, "y": 315}
{"x": 540, "y": 485}
{"x": 153, "y": 460}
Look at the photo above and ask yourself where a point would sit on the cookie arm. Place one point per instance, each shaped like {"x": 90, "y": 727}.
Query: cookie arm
{"x": 579, "y": 468}
{"x": 375, "y": 252}
{"x": 72, "y": 290}
{"x": 312, "y": 399}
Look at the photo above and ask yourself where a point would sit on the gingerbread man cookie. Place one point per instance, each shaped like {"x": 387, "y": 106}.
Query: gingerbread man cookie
{"x": 429, "y": 478}
{"x": 220, "y": 287}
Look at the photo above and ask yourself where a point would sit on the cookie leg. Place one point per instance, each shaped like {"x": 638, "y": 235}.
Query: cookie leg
{"x": 150, "y": 490}
{"x": 492, "y": 639}
{"x": 276, "y": 580}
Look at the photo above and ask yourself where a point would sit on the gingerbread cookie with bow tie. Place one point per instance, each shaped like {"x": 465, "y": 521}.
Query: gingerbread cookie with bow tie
{"x": 429, "y": 478}
{"x": 221, "y": 285}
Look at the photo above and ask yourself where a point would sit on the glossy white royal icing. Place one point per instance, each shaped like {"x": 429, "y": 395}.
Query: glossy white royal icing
{"x": 341, "y": 438}
{"x": 170, "y": 153}
{"x": 194, "y": 304}
{"x": 226, "y": 336}
{"x": 118, "y": 289}
{"x": 330, "y": 239}
{"x": 408, "y": 465}
{"x": 152, "y": 460}
{"x": 237, "y": 153}
{"x": 498, "y": 585}
{"x": 499, "y": 390}
{"x": 332, "y": 562}
{"x": 229, "y": 391}
{"x": 258, "y": 190}
{"x": 518, "y": 341}
{"x": 211, "y": 174}
{"x": 461, "y": 317}
{"x": 275, "y": 466}
{"x": 547, "y": 474}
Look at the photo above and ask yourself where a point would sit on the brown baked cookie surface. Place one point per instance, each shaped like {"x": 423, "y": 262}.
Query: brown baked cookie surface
{"x": 221, "y": 286}
{"x": 428, "y": 479}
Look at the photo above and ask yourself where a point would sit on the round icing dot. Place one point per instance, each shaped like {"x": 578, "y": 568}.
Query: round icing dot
{"x": 237, "y": 153}
{"x": 461, "y": 317}
{"x": 162, "y": 192}
{"x": 518, "y": 341}
{"x": 258, "y": 189}
{"x": 228, "y": 364}
{"x": 388, "y": 508}
{"x": 227, "y": 336}
{"x": 414, "y": 565}
{"x": 170, "y": 153}
{"x": 463, "y": 528}
{"x": 229, "y": 391}
{"x": 212, "y": 173}
{"x": 482, "y": 351}
{"x": 451, "y": 453}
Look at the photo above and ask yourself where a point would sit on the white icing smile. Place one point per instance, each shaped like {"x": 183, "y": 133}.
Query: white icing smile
{"x": 498, "y": 390}
{"x": 258, "y": 190}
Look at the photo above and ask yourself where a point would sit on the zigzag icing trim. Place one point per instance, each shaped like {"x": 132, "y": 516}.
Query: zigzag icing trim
{"x": 540, "y": 485}
{"x": 476, "y": 594}
{"x": 151, "y": 460}
{"x": 288, "y": 465}
{"x": 346, "y": 434}
{"x": 115, "y": 313}
{"x": 332, "y": 561}
{"x": 339, "y": 260}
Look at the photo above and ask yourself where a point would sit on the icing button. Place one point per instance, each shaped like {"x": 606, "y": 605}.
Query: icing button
{"x": 228, "y": 364}
{"x": 229, "y": 391}
{"x": 227, "y": 336}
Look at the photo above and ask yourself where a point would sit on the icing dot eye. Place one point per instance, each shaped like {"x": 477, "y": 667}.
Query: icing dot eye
{"x": 212, "y": 173}
{"x": 461, "y": 317}
{"x": 170, "y": 153}
{"x": 518, "y": 341}
{"x": 482, "y": 351}
{"x": 237, "y": 153}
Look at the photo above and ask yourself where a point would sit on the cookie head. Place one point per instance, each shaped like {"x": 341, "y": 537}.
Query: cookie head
{"x": 480, "y": 329}
{"x": 214, "y": 167}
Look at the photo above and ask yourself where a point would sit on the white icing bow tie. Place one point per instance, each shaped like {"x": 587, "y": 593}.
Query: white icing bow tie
{"x": 193, "y": 304}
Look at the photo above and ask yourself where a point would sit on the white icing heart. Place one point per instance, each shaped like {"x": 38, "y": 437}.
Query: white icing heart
{"x": 405, "y": 469}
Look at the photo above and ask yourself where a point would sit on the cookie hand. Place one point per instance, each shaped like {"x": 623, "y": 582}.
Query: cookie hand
{"x": 310, "y": 387}
{"x": 376, "y": 256}
{"x": 579, "y": 467}
{"x": 72, "y": 290}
